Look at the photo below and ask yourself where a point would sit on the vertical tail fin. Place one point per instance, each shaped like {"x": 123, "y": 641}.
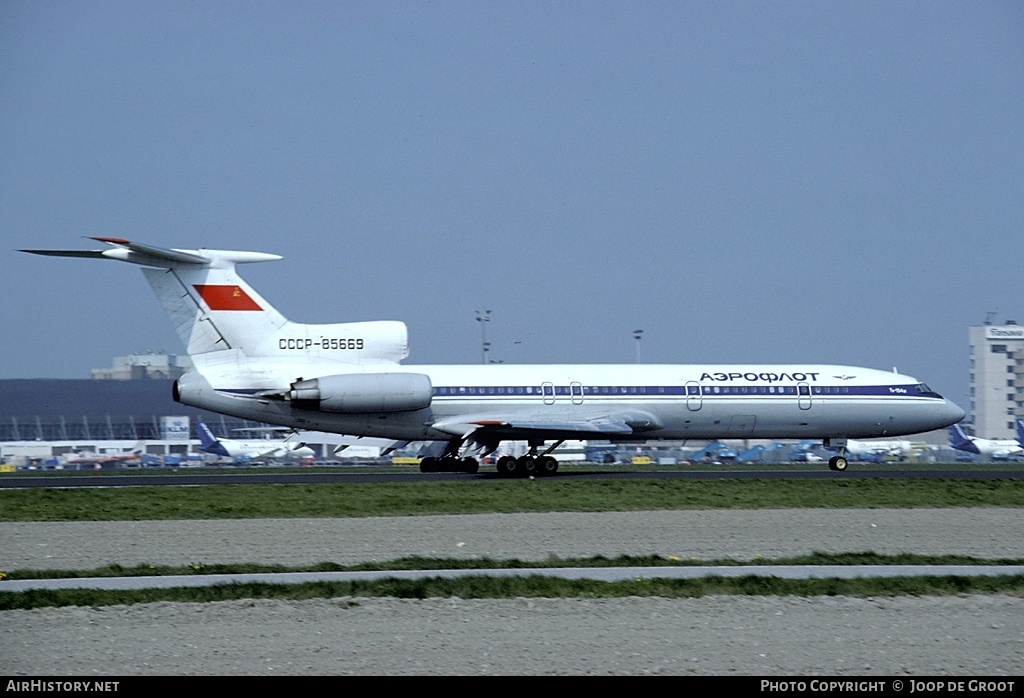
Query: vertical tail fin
{"x": 214, "y": 309}
{"x": 208, "y": 442}
{"x": 960, "y": 441}
{"x": 206, "y": 437}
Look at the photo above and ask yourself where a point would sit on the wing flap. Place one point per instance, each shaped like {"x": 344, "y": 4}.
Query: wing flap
{"x": 533, "y": 427}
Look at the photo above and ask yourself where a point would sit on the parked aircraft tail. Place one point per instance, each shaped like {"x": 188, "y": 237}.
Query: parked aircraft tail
{"x": 958, "y": 439}
{"x": 1020, "y": 432}
{"x": 209, "y": 443}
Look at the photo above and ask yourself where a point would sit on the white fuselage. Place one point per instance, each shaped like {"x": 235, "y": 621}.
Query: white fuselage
{"x": 684, "y": 401}
{"x": 879, "y": 447}
{"x": 263, "y": 449}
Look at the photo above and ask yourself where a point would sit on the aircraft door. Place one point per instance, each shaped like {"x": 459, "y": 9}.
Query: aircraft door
{"x": 803, "y": 395}
{"x": 693, "y": 396}
{"x": 742, "y": 425}
{"x": 547, "y": 391}
{"x": 576, "y": 393}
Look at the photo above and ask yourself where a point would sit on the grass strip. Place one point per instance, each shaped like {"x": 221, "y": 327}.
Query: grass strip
{"x": 342, "y": 500}
{"x": 426, "y": 563}
{"x": 531, "y": 586}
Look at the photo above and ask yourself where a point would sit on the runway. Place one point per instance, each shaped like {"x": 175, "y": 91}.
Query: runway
{"x": 280, "y": 476}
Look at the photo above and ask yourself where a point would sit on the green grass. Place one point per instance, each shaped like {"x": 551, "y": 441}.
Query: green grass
{"x": 529, "y": 586}
{"x": 332, "y": 500}
{"x": 425, "y": 563}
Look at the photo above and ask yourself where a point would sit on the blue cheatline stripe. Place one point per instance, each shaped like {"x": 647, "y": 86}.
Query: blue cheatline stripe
{"x": 678, "y": 391}
{"x": 670, "y": 391}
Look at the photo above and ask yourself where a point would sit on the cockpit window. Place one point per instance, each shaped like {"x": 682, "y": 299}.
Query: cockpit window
{"x": 923, "y": 389}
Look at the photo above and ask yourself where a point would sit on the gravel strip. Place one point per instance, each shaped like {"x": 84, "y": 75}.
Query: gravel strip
{"x": 705, "y": 535}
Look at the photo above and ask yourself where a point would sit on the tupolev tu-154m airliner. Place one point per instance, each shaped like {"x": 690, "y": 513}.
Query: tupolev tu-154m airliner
{"x": 251, "y": 362}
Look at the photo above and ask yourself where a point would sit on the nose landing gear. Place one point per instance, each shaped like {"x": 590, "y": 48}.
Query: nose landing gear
{"x": 837, "y": 463}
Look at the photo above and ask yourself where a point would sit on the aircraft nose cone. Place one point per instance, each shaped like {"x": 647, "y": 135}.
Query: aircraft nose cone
{"x": 952, "y": 413}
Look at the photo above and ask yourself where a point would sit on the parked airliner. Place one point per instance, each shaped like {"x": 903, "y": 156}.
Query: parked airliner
{"x": 899, "y": 448}
{"x": 254, "y": 449}
{"x": 994, "y": 448}
{"x": 251, "y": 362}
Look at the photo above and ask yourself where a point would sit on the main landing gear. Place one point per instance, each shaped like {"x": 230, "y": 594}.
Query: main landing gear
{"x": 527, "y": 466}
{"x": 508, "y": 466}
{"x": 449, "y": 464}
{"x": 530, "y": 465}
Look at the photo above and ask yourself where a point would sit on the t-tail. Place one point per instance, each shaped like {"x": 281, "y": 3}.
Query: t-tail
{"x": 213, "y": 309}
{"x": 1020, "y": 432}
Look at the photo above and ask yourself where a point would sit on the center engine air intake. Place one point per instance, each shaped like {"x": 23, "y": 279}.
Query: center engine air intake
{"x": 364, "y": 392}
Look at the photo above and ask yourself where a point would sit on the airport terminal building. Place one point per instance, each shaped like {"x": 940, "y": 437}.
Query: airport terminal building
{"x": 69, "y": 410}
{"x": 125, "y": 405}
{"x": 997, "y": 379}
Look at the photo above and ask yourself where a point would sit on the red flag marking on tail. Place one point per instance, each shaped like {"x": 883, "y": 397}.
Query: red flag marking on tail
{"x": 226, "y": 298}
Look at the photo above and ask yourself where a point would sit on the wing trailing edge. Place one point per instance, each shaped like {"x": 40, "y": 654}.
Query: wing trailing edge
{"x": 523, "y": 428}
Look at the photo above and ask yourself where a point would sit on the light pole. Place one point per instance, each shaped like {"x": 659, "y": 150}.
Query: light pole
{"x": 483, "y": 318}
{"x": 637, "y": 334}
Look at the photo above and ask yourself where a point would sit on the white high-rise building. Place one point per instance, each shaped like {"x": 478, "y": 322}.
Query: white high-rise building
{"x": 997, "y": 379}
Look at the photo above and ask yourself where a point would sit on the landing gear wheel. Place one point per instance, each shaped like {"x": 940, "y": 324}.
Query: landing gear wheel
{"x": 529, "y": 466}
{"x": 838, "y": 463}
{"x": 547, "y": 465}
{"x": 428, "y": 465}
{"x": 508, "y": 466}
{"x": 470, "y": 465}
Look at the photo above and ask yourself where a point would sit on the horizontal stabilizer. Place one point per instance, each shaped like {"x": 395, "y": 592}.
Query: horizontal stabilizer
{"x": 153, "y": 256}
{"x": 89, "y": 254}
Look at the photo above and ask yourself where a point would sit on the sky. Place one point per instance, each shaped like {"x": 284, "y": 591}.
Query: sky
{"x": 746, "y": 182}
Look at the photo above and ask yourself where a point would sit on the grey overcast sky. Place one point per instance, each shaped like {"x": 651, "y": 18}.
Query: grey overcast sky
{"x": 828, "y": 182}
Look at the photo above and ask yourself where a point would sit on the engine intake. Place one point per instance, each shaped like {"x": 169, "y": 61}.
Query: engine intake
{"x": 364, "y": 392}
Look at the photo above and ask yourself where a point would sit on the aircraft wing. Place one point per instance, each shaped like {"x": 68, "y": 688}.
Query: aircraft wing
{"x": 340, "y": 442}
{"x": 526, "y": 427}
